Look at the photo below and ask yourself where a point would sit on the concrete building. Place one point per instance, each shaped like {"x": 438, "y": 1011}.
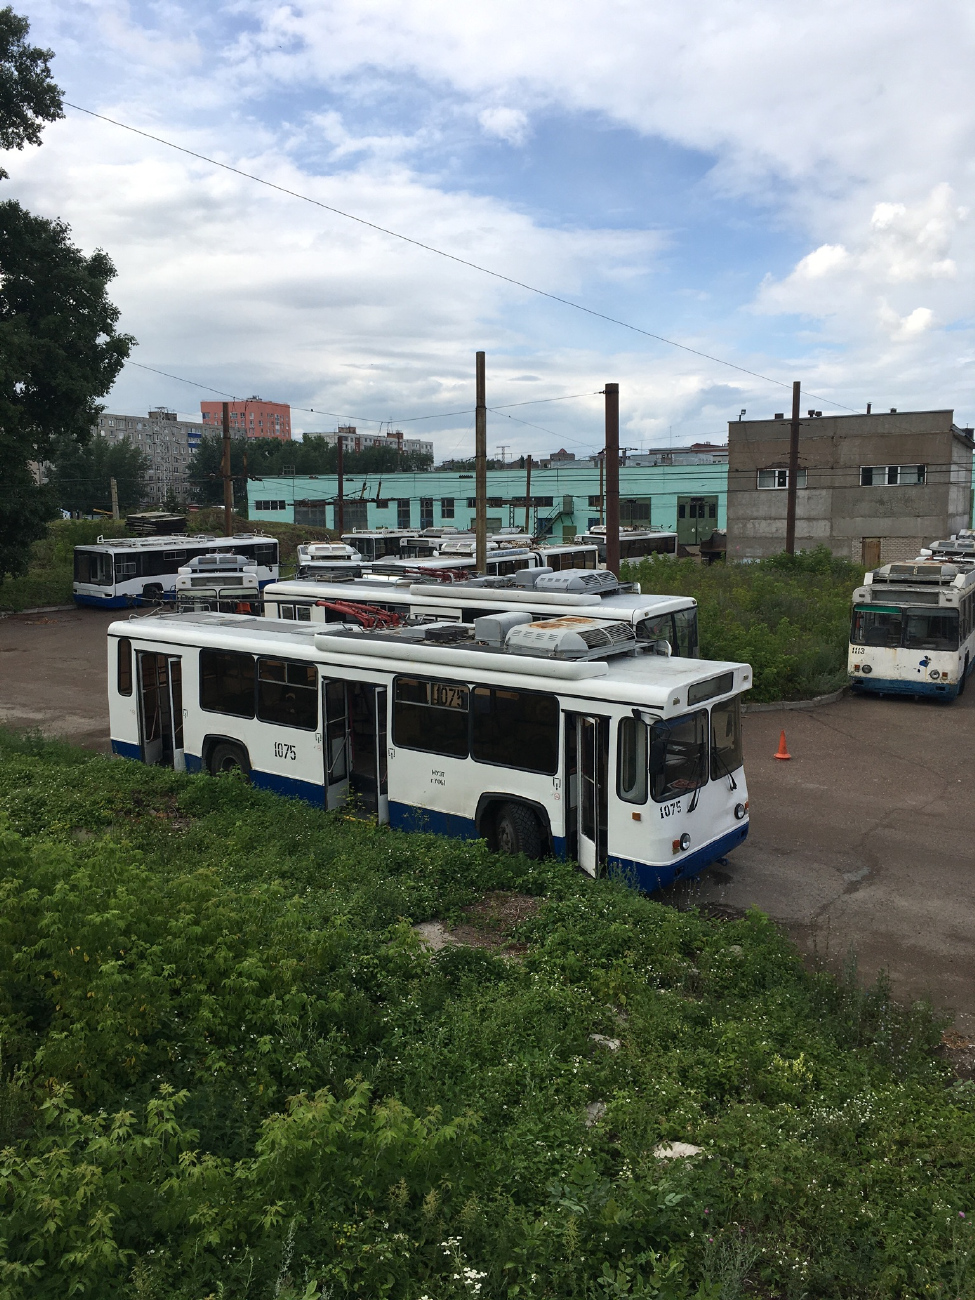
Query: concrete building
{"x": 164, "y": 438}
{"x": 873, "y": 488}
{"x": 352, "y": 440}
{"x": 565, "y": 499}
{"x": 253, "y": 416}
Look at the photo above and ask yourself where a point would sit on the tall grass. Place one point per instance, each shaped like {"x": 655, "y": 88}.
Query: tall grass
{"x": 788, "y": 616}
{"x": 51, "y": 570}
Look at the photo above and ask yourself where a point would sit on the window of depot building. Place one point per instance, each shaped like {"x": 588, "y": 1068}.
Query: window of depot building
{"x": 287, "y": 693}
{"x": 595, "y": 503}
{"x": 403, "y": 512}
{"x": 515, "y": 729}
{"x": 892, "y": 475}
{"x": 431, "y": 716}
{"x": 779, "y": 478}
{"x": 446, "y": 507}
{"x": 426, "y": 512}
{"x": 634, "y": 512}
{"x": 270, "y": 505}
{"x": 227, "y": 683}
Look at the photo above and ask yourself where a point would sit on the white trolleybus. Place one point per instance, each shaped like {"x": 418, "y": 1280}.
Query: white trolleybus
{"x": 668, "y": 622}
{"x": 559, "y": 736}
{"x": 119, "y": 572}
{"x": 913, "y": 631}
{"x": 219, "y": 583}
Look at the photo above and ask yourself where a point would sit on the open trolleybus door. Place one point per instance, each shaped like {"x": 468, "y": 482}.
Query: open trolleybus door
{"x": 587, "y": 767}
{"x": 355, "y": 747}
{"x": 161, "y": 709}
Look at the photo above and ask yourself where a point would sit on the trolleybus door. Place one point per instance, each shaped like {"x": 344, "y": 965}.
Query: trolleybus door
{"x": 382, "y": 780}
{"x": 161, "y": 709}
{"x": 587, "y": 763}
{"x": 335, "y": 714}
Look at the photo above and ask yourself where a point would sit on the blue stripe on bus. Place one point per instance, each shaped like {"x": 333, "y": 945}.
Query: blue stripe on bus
{"x": 891, "y": 686}
{"x": 193, "y": 762}
{"x": 106, "y": 602}
{"x": 408, "y": 817}
{"x": 124, "y": 749}
{"x": 290, "y": 786}
{"x": 648, "y": 878}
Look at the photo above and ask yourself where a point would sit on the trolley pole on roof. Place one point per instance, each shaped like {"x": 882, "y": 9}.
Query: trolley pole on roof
{"x": 228, "y": 483}
{"x": 790, "y": 507}
{"x": 612, "y": 458}
{"x": 340, "y": 501}
{"x": 528, "y": 493}
{"x": 480, "y": 467}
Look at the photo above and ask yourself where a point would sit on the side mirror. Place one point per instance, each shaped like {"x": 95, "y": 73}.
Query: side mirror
{"x": 663, "y": 648}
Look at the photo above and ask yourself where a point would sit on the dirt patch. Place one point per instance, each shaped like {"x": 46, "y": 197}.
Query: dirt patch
{"x": 490, "y": 923}
{"x": 959, "y": 1052}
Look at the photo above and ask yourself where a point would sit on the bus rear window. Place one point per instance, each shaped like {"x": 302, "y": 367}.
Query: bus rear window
{"x": 931, "y": 631}
{"x": 877, "y": 627}
{"x": 431, "y": 716}
{"x": 515, "y": 729}
{"x": 227, "y": 683}
{"x": 678, "y": 762}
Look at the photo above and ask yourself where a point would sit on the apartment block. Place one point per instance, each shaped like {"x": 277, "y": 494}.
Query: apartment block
{"x": 167, "y": 441}
{"x": 352, "y": 440}
{"x": 251, "y": 416}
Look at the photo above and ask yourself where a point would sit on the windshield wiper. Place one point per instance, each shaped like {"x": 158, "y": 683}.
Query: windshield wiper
{"x": 716, "y": 754}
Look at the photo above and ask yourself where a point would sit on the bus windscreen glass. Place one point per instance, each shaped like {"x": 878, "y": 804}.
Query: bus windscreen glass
{"x": 93, "y": 566}
{"x": 931, "y": 631}
{"x": 877, "y": 626}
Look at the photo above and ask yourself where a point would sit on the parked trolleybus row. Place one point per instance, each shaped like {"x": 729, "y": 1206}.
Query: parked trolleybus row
{"x": 565, "y": 735}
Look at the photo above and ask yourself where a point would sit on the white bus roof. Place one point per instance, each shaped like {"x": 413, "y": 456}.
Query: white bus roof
{"x": 649, "y": 681}
{"x": 173, "y": 542}
{"x": 454, "y": 594}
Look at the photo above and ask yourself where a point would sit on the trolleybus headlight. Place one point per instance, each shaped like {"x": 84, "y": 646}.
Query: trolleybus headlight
{"x": 934, "y": 674}
{"x": 685, "y": 841}
{"x": 740, "y": 811}
{"x": 866, "y": 669}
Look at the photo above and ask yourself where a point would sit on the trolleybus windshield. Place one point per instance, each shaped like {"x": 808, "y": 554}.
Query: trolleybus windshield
{"x": 890, "y": 627}
{"x": 930, "y": 630}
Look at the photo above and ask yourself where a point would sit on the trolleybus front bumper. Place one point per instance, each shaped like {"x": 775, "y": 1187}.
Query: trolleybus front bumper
{"x": 894, "y": 686}
{"x": 648, "y": 877}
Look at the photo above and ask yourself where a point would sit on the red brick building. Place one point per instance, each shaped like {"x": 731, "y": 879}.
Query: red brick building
{"x": 251, "y": 415}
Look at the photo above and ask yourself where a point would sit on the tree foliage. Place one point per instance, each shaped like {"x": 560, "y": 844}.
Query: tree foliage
{"x": 28, "y": 96}
{"x": 60, "y": 349}
{"x": 81, "y": 476}
{"x": 269, "y": 457}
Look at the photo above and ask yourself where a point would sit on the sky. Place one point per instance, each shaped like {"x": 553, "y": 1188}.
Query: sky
{"x": 787, "y": 187}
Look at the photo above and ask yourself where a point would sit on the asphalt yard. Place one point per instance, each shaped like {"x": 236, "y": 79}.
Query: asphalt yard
{"x": 863, "y": 842}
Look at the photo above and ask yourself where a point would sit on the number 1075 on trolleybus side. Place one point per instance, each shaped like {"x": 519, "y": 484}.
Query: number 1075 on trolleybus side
{"x": 559, "y": 736}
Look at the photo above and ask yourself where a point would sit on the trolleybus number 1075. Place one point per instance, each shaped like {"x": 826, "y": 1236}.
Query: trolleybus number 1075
{"x": 669, "y": 809}
{"x": 281, "y": 750}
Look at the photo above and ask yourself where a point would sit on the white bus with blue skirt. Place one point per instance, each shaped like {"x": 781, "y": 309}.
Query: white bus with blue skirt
{"x": 913, "y": 630}
{"x": 559, "y": 737}
{"x": 122, "y": 572}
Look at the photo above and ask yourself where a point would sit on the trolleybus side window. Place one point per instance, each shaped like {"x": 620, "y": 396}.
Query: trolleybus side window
{"x": 431, "y": 715}
{"x": 631, "y": 764}
{"x": 685, "y": 627}
{"x": 726, "y": 756}
{"x": 287, "y": 693}
{"x": 931, "y": 631}
{"x": 515, "y": 729}
{"x": 877, "y": 627}
{"x": 678, "y": 760}
{"x": 227, "y": 682}
{"x": 124, "y": 666}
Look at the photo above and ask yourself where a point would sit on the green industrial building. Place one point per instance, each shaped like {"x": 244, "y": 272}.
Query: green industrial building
{"x": 690, "y": 498}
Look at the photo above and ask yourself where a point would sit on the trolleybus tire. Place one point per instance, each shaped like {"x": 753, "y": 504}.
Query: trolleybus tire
{"x": 516, "y": 830}
{"x": 225, "y": 756}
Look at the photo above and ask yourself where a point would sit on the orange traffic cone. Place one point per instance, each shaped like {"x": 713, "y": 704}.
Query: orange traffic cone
{"x": 782, "y": 751}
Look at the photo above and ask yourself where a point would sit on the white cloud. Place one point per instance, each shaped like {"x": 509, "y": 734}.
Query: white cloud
{"x": 509, "y": 124}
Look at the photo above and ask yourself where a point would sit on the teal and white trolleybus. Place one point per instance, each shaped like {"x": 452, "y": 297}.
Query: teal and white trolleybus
{"x": 559, "y": 736}
{"x": 913, "y": 630}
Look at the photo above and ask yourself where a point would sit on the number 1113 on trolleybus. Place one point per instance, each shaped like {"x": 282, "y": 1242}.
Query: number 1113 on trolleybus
{"x": 563, "y": 736}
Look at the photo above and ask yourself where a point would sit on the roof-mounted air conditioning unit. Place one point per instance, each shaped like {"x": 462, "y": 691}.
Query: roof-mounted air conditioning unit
{"x": 571, "y": 638}
{"x": 599, "y": 582}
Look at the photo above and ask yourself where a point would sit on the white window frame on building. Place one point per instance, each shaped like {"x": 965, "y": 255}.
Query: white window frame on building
{"x": 265, "y": 506}
{"x": 893, "y": 475}
{"x": 775, "y": 479}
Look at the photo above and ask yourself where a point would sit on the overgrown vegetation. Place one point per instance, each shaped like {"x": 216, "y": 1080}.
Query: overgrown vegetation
{"x": 788, "y": 616}
{"x": 229, "y": 1068}
{"x": 50, "y": 571}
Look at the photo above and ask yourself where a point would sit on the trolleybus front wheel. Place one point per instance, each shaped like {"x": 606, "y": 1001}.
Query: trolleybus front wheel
{"x": 517, "y": 831}
{"x": 225, "y": 757}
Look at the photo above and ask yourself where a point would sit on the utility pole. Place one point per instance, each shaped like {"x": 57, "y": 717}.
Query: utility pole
{"x": 790, "y": 507}
{"x": 340, "y": 502}
{"x": 480, "y": 467}
{"x": 528, "y": 493}
{"x": 228, "y": 483}
{"x": 602, "y": 498}
{"x": 612, "y": 458}
{"x": 114, "y": 487}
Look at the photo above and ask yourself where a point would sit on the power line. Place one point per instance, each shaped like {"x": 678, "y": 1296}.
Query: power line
{"x": 452, "y": 257}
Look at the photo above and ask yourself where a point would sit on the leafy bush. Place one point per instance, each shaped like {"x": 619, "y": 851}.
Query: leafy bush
{"x": 50, "y": 572}
{"x": 229, "y": 1068}
{"x": 788, "y": 616}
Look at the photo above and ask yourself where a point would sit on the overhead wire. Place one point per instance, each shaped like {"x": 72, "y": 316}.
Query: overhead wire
{"x": 439, "y": 252}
